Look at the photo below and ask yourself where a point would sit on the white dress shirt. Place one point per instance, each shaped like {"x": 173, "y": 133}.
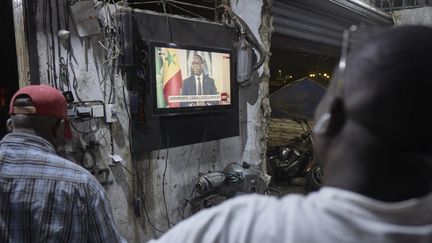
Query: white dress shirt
{"x": 199, "y": 83}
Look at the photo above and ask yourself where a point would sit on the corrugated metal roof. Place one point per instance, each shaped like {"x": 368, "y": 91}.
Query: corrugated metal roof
{"x": 317, "y": 25}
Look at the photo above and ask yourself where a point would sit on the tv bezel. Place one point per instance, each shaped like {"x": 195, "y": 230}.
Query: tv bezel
{"x": 195, "y": 109}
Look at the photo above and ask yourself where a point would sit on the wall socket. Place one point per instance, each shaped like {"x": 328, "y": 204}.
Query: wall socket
{"x": 110, "y": 113}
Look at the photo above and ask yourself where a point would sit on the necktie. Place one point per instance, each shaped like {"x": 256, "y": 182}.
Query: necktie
{"x": 199, "y": 86}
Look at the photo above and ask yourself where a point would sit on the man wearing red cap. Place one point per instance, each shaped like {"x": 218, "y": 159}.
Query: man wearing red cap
{"x": 45, "y": 198}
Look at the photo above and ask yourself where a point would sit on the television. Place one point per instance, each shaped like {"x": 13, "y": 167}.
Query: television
{"x": 191, "y": 79}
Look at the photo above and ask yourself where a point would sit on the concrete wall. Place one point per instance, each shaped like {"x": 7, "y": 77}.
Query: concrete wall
{"x": 149, "y": 179}
{"x": 414, "y": 16}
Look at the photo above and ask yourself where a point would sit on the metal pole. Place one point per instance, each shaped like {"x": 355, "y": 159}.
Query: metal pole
{"x": 21, "y": 43}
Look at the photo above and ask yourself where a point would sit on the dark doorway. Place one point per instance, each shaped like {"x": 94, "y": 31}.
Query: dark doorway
{"x": 287, "y": 65}
{"x": 9, "y": 79}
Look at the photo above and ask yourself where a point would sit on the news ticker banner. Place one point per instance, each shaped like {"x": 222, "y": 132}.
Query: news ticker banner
{"x": 197, "y": 98}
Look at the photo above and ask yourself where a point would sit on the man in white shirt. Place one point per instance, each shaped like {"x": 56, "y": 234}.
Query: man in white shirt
{"x": 374, "y": 141}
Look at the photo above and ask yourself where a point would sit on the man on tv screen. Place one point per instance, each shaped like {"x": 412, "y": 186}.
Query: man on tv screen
{"x": 198, "y": 83}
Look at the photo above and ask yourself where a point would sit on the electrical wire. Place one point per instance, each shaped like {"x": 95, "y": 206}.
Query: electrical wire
{"x": 85, "y": 132}
{"x": 74, "y": 80}
{"x": 247, "y": 32}
{"x": 102, "y": 135}
{"x": 111, "y": 137}
{"x": 69, "y": 63}
{"x": 112, "y": 52}
{"x": 202, "y": 147}
{"x": 187, "y": 11}
{"x": 168, "y": 22}
{"x": 188, "y": 160}
{"x": 156, "y": 164}
{"x": 52, "y": 45}
{"x": 124, "y": 167}
{"x": 112, "y": 88}
{"x": 58, "y": 44}
{"x": 125, "y": 102}
{"x": 141, "y": 192}
{"x": 48, "y": 47}
{"x": 163, "y": 184}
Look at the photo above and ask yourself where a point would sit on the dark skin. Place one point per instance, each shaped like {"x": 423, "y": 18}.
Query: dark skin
{"x": 49, "y": 128}
{"x": 365, "y": 144}
{"x": 197, "y": 66}
{"x": 46, "y": 127}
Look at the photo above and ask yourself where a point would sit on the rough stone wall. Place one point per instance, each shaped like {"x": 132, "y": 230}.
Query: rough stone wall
{"x": 255, "y": 113}
{"x": 88, "y": 74}
{"x": 147, "y": 189}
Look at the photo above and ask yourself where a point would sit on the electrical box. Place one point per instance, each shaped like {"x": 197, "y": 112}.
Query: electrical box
{"x": 83, "y": 112}
{"x": 115, "y": 158}
{"x": 71, "y": 112}
{"x": 98, "y": 111}
{"x": 111, "y": 113}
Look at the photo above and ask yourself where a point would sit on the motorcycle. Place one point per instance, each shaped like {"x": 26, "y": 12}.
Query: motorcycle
{"x": 296, "y": 160}
{"x": 215, "y": 187}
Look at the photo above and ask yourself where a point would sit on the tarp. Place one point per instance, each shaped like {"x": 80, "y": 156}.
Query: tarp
{"x": 296, "y": 100}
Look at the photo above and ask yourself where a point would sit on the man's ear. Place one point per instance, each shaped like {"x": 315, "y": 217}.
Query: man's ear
{"x": 9, "y": 125}
{"x": 330, "y": 123}
{"x": 59, "y": 130}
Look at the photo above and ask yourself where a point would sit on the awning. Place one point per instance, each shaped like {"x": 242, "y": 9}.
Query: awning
{"x": 316, "y": 25}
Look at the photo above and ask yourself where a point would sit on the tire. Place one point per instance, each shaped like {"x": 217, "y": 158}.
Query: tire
{"x": 314, "y": 178}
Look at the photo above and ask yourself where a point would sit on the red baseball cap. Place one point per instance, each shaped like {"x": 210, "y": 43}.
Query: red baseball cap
{"x": 46, "y": 101}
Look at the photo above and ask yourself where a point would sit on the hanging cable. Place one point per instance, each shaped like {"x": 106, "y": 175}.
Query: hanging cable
{"x": 58, "y": 46}
{"x": 47, "y": 44}
{"x": 53, "y": 64}
{"x": 202, "y": 147}
{"x": 68, "y": 44}
{"x": 141, "y": 192}
{"x": 163, "y": 184}
{"x": 249, "y": 35}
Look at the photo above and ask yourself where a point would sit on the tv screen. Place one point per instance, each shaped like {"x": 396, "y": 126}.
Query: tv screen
{"x": 190, "y": 79}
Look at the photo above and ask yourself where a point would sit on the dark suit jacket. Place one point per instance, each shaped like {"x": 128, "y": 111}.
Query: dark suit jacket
{"x": 189, "y": 88}
{"x": 208, "y": 85}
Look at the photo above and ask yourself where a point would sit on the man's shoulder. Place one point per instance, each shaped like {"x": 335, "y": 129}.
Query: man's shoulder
{"x": 207, "y": 77}
{"x": 189, "y": 79}
{"x": 71, "y": 171}
{"x": 34, "y": 163}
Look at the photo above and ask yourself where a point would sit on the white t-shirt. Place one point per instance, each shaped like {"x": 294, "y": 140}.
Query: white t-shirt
{"x": 330, "y": 215}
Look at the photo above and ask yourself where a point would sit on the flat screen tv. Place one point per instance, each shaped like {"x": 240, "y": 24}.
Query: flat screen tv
{"x": 191, "y": 79}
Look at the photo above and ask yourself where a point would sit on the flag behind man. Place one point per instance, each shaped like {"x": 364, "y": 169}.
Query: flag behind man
{"x": 172, "y": 78}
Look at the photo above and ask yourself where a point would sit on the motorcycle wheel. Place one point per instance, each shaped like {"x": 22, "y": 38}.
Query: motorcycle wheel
{"x": 314, "y": 178}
